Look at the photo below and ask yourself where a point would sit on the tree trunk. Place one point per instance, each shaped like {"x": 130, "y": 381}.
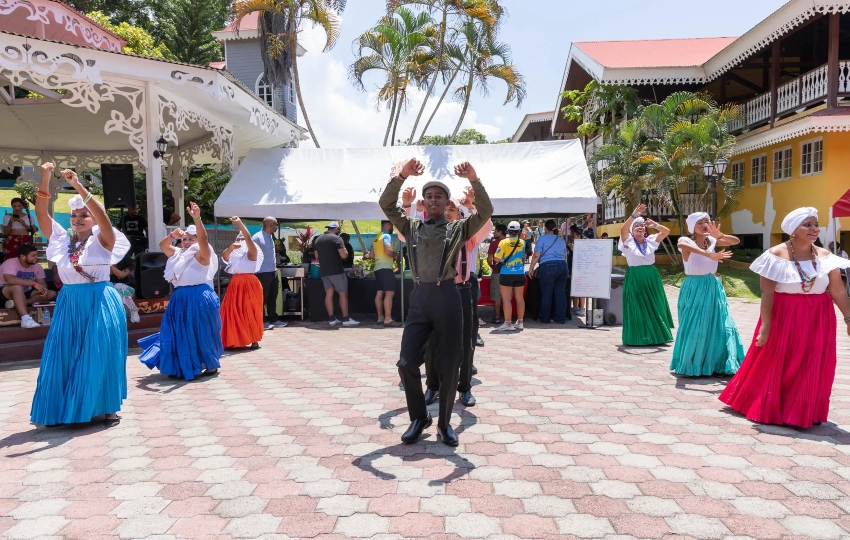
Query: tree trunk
{"x": 465, "y": 103}
{"x": 398, "y": 114}
{"x": 293, "y": 48}
{"x": 437, "y": 72}
{"x": 392, "y": 116}
{"x": 442, "y": 97}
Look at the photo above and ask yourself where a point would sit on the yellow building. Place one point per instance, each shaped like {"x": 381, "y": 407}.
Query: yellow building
{"x": 789, "y": 76}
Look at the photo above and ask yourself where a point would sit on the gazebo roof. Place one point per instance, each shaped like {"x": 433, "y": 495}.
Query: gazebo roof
{"x": 33, "y": 18}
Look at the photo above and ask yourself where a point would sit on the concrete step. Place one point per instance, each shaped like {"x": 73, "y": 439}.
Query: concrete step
{"x": 18, "y": 343}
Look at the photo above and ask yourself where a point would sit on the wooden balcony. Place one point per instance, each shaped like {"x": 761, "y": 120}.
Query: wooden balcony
{"x": 794, "y": 96}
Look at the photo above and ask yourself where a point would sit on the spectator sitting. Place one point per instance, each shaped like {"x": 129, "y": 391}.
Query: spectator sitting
{"x": 348, "y": 262}
{"x": 24, "y": 283}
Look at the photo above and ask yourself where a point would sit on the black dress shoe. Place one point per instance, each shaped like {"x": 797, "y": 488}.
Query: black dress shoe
{"x": 474, "y": 370}
{"x": 448, "y": 436}
{"x": 415, "y": 430}
{"x": 431, "y": 396}
{"x": 467, "y": 398}
{"x": 112, "y": 422}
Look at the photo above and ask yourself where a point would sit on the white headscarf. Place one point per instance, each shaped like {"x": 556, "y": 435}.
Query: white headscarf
{"x": 693, "y": 218}
{"x": 76, "y": 203}
{"x": 635, "y": 222}
{"x": 191, "y": 229}
{"x": 796, "y": 217}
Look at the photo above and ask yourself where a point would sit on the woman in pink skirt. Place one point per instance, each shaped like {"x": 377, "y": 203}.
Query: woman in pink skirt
{"x": 786, "y": 377}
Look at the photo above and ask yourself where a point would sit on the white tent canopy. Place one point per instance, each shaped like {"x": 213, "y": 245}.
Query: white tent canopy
{"x": 525, "y": 179}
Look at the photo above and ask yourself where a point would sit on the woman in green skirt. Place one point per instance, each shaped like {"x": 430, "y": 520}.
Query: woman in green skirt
{"x": 707, "y": 342}
{"x": 646, "y": 313}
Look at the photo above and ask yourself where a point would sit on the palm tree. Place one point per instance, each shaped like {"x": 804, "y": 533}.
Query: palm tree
{"x": 400, "y": 47}
{"x": 488, "y": 12}
{"x": 484, "y": 59}
{"x": 279, "y": 24}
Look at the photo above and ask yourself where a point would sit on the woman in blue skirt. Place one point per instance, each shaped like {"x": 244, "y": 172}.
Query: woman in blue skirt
{"x": 707, "y": 342}
{"x": 83, "y": 372}
{"x": 189, "y": 340}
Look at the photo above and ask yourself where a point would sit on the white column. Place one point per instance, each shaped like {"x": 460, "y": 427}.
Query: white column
{"x": 179, "y": 192}
{"x": 153, "y": 176}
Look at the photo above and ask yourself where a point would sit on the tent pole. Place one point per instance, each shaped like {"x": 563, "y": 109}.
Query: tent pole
{"x": 359, "y": 238}
{"x": 215, "y": 243}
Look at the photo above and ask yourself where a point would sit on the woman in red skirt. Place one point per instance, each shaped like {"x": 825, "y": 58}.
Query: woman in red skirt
{"x": 18, "y": 227}
{"x": 242, "y": 307}
{"x": 787, "y": 375}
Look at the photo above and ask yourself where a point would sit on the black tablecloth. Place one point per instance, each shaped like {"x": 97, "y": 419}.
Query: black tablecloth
{"x": 361, "y": 298}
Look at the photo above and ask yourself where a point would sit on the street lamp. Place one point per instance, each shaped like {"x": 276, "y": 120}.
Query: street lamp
{"x": 713, "y": 172}
{"x": 161, "y": 148}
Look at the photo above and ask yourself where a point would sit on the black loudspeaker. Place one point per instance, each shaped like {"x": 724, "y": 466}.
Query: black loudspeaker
{"x": 150, "y": 268}
{"x": 119, "y": 190}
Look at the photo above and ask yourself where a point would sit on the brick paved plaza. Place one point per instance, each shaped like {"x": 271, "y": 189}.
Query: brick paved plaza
{"x": 573, "y": 436}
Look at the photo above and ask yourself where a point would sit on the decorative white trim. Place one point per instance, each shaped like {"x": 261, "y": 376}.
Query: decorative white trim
{"x": 209, "y": 84}
{"x": 181, "y": 115}
{"x": 80, "y": 79}
{"x": 792, "y": 130}
{"x": 75, "y": 24}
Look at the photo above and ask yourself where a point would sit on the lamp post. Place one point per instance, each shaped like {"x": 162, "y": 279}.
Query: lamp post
{"x": 161, "y": 148}
{"x": 713, "y": 172}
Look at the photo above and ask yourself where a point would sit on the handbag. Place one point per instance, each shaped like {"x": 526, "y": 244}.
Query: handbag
{"x": 531, "y": 270}
{"x": 500, "y": 264}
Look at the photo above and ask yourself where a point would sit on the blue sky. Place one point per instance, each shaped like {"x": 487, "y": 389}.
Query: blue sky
{"x": 538, "y": 31}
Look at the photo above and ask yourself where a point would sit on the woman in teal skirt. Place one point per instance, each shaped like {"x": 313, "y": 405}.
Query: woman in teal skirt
{"x": 646, "y": 313}
{"x": 707, "y": 342}
{"x": 83, "y": 365}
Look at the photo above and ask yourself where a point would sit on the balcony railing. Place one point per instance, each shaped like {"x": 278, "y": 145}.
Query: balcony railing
{"x": 615, "y": 209}
{"x": 802, "y": 92}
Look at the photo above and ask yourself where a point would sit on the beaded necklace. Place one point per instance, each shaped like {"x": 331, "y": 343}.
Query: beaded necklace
{"x": 807, "y": 282}
{"x": 74, "y": 254}
{"x": 642, "y": 247}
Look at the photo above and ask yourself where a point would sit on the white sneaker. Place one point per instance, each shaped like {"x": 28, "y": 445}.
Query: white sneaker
{"x": 29, "y": 323}
{"x": 134, "y": 316}
{"x": 506, "y": 327}
{"x": 518, "y": 325}
{"x": 335, "y": 322}
{"x": 351, "y": 322}
{"x": 581, "y": 312}
{"x": 280, "y": 324}
{"x": 10, "y": 304}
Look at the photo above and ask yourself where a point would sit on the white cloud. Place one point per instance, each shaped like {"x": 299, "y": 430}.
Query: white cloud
{"x": 344, "y": 117}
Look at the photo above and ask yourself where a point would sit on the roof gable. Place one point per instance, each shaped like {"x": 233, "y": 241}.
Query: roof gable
{"x": 654, "y": 53}
{"x": 57, "y": 21}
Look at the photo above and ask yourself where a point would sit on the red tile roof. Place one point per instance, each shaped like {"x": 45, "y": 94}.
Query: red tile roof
{"x": 654, "y": 52}
{"x": 249, "y": 22}
{"x": 218, "y": 65}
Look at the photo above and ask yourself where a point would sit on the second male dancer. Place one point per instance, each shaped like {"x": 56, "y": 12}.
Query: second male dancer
{"x": 435, "y": 303}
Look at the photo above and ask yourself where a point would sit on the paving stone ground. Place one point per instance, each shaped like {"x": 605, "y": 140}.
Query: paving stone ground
{"x": 574, "y": 436}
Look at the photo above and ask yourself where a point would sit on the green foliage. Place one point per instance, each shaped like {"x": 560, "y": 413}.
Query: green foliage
{"x": 745, "y": 255}
{"x": 139, "y": 41}
{"x": 186, "y": 28}
{"x": 596, "y": 107}
{"x": 26, "y": 191}
{"x": 133, "y": 12}
{"x": 467, "y": 136}
{"x": 204, "y": 187}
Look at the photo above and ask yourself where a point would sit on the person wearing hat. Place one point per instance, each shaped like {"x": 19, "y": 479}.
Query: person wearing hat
{"x": 707, "y": 342}
{"x": 24, "y": 283}
{"x": 436, "y": 305}
{"x": 83, "y": 369}
{"x": 510, "y": 257}
{"x": 189, "y": 340}
{"x": 332, "y": 253}
{"x": 787, "y": 375}
{"x": 646, "y": 313}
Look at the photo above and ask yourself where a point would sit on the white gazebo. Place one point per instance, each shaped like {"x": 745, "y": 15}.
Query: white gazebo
{"x": 103, "y": 106}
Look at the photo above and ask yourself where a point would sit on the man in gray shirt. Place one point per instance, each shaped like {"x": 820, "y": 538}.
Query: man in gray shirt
{"x": 435, "y": 303}
{"x": 268, "y": 271}
{"x": 332, "y": 252}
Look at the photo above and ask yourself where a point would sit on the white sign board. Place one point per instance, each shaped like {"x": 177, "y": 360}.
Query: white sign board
{"x": 591, "y": 271}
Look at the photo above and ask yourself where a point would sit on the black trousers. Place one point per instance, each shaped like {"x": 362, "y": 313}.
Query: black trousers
{"x": 271, "y": 284}
{"x": 476, "y": 296}
{"x": 432, "y": 377}
{"x": 434, "y": 311}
